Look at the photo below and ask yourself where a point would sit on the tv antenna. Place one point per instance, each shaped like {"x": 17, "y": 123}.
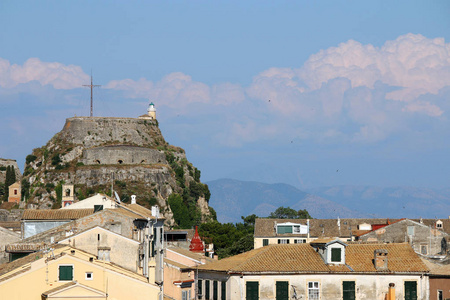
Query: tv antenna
{"x": 92, "y": 86}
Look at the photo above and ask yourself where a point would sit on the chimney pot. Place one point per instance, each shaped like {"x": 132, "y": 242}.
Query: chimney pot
{"x": 133, "y": 199}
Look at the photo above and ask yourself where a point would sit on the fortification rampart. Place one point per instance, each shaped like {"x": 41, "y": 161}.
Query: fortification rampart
{"x": 123, "y": 154}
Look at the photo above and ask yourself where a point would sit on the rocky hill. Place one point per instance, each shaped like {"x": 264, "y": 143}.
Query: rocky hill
{"x": 96, "y": 153}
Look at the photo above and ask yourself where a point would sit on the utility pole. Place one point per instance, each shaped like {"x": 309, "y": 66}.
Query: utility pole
{"x": 92, "y": 86}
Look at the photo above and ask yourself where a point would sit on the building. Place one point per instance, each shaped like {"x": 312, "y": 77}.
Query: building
{"x": 96, "y": 202}
{"x": 179, "y": 272}
{"x": 439, "y": 278}
{"x": 328, "y": 269}
{"x": 68, "y": 195}
{"x": 64, "y": 272}
{"x": 424, "y": 239}
{"x": 14, "y": 193}
{"x": 278, "y": 231}
{"x": 6, "y": 237}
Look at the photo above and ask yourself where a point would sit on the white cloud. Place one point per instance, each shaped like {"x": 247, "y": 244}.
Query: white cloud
{"x": 56, "y": 74}
{"x": 413, "y": 62}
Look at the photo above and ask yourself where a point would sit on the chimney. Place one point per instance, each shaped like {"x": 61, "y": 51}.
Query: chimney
{"x": 133, "y": 199}
{"x": 381, "y": 260}
{"x": 391, "y": 292}
{"x": 155, "y": 211}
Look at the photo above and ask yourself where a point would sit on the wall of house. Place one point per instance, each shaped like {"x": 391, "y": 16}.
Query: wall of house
{"x": 171, "y": 274}
{"x": 442, "y": 284}
{"x": 91, "y": 202}
{"x": 330, "y": 285}
{"x": 31, "y": 228}
{"x": 6, "y": 237}
{"x": 124, "y": 253}
{"x": 43, "y": 277}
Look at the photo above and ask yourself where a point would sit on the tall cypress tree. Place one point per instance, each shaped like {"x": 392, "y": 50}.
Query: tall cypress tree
{"x": 10, "y": 178}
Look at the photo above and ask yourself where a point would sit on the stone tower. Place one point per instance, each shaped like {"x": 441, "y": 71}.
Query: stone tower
{"x": 152, "y": 111}
{"x": 68, "y": 195}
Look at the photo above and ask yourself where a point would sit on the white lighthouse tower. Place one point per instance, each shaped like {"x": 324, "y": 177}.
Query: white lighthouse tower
{"x": 151, "y": 111}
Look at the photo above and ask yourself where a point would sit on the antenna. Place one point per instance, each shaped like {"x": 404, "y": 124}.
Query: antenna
{"x": 92, "y": 86}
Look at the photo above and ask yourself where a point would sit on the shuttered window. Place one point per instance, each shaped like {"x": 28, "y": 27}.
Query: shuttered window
{"x": 410, "y": 290}
{"x": 335, "y": 254}
{"x": 199, "y": 287}
{"x": 215, "y": 291}
{"x": 265, "y": 242}
{"x": 207, "y": 287}
{"x": 223, "y": 292}
{"x": 282, "y": 290}
{"x": 348, "y": 290}
{"x": 65, "y": 273}
{"x": 252, "y": 290}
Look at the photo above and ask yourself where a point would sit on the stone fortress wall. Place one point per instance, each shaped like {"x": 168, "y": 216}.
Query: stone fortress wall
{"x": 122, "y": 154}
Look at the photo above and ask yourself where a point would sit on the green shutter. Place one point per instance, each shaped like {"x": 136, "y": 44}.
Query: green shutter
{"x": 335, "y": 254}
{"x": 224, "y": 290}
{"x": 215, "y": 291}
{"x": 252, "y": 290}
{"x": 199, "y": 287}
{"x": 348, "y": 290}
{"x": 265, "y": 242}
{"x": 410, "y": 290}
{"x": 207, "y": 287}
{"x": 65, "y": 273}
{"x": 282, "y": 292}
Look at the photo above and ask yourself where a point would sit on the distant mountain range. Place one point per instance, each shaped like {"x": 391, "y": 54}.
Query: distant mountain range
{"x": 234, "y": 198}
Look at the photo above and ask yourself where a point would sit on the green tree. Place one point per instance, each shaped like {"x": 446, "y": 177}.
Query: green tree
{"x": 289, "y": 213}
{"x": 10, "y": 178}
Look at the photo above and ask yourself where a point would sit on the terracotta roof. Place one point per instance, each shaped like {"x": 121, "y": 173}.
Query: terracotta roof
{"x": 24, "y": 247}
{"x": 56, "y": 214}
{"x": 175, "y": 263}
{"x": 15, "y": 226}
{"x": 192, "y": 255}
{"x": 302, "y": 258}
{"x": 437, "y": 269}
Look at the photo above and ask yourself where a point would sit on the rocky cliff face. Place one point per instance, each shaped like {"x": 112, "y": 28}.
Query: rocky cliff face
{"x": 129, "y": 154}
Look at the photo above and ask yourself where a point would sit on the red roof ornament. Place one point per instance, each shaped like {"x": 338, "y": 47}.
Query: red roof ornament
{"x": 196, "y": 243}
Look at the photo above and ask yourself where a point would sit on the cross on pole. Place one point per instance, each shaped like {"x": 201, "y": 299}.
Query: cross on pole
{"x": 92, "y": 86}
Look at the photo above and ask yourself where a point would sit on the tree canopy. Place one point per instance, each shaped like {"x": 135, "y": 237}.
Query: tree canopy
{"x": 289, "y": 213}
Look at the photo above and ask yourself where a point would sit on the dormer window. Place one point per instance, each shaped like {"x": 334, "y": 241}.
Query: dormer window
{"x": 291, "y": 228}
{"x": 336, "y": 255}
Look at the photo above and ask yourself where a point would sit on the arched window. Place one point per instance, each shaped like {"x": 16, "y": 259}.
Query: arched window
{"x": 120, "y": 161}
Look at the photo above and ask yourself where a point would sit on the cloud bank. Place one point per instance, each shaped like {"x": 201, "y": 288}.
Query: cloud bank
{"x": 352, "y": 93}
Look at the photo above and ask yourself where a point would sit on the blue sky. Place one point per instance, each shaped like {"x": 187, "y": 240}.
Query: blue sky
{"x": 309, "y": 93}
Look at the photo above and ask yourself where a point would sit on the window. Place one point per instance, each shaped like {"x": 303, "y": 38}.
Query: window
{"x": 410, "y": 230}
{"x": 284, "y": 229}
{"x": 410, "y": 290}
{"x": 207, "y": 289}
{"x": 89, "y": 276}
{"x": 336, "y": 254}
{"x": 313, "y": 290}
{"x": 283, "y": 241}
{"x": 440, "y": 295}
{"x": 223, "y": 292}
{"x": 252, "y": 290}
{"x": 282, "y": 290}
{"x": 299, "y": 241}
{"x": 348, "y": 290}
{"x": 265, "y": 242}
{"x": 424, "y": 249}
{"x": 186, "y": 295}
{"x": 215, "y": 291}
{"x": 65, "y": 273}
{"x": 15, "y": 192}
{"x": 439, "y": 224}
{"x": 199, "y": 288}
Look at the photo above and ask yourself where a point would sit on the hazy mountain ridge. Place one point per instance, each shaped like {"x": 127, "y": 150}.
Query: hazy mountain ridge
{"x": 232, "y": 199}
{"x": 235, "y": 198}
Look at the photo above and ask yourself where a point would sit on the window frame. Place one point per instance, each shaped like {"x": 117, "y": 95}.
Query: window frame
{"x": 86, "y": 276}
{"x": 313, "y": 292}
{"x": 59, "y": 272}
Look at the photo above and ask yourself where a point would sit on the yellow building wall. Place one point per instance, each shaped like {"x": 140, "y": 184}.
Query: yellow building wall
{"x": 42, "y": 277}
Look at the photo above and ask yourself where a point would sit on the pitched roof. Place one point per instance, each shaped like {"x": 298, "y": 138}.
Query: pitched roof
{"x": 437, "y": 269}
{"x": 190, "y": 254}
{"x": 56, "y": 214}
{"x": 302, "y": 258}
